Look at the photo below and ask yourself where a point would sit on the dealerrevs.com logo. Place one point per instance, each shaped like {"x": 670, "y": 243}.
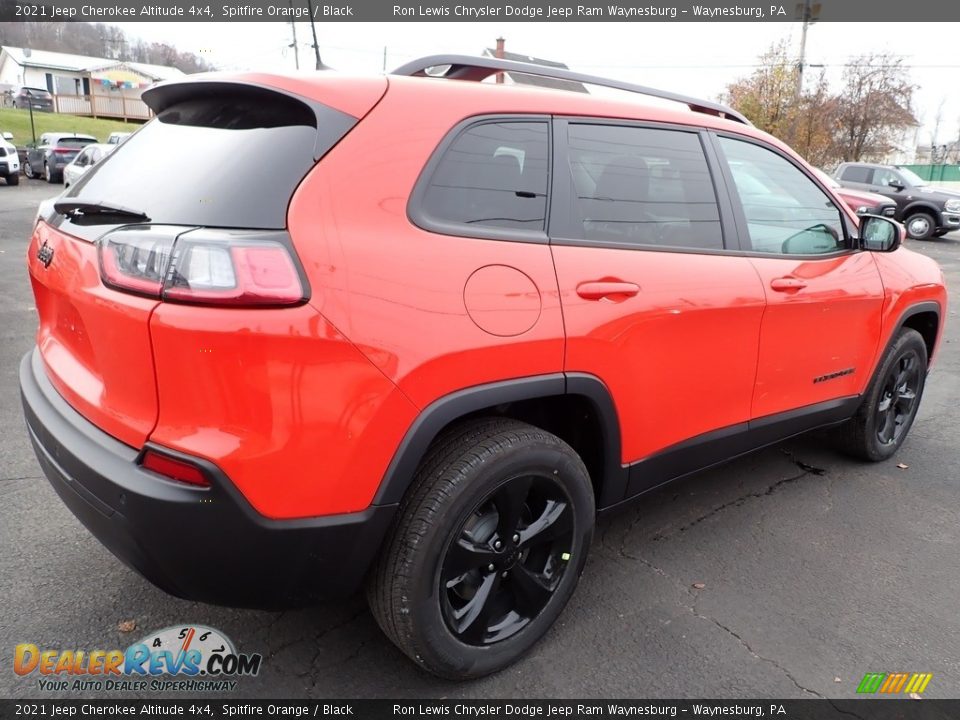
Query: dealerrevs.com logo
{"x": 186, "y": 658}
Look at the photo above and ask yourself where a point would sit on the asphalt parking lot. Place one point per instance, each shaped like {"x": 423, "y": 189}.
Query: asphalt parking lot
{"x": 789, "y": 573}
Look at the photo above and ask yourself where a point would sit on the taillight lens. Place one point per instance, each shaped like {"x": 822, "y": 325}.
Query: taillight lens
{"x": 64, "y": 151}
{"x": 174, "y": 468}
{"x": 205, "y": 267}
{"x": 136, "y": 261}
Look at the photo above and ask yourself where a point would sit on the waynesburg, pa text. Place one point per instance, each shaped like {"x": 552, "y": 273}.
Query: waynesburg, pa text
{"x": 612, "y": 12}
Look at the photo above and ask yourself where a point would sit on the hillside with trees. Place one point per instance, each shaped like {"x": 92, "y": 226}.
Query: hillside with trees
{"x": 97, "y": 40}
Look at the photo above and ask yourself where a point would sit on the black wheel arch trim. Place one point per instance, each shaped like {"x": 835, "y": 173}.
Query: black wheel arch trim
{"x": 920, "y": 307}
{"x": 450, "y": 408}
{"x": 924, "y": 206}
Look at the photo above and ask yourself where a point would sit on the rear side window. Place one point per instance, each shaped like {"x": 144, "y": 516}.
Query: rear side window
{"x": 230, "y": 158}
{"x": 856, "y": 174}
{"x": 643, "y": 186}
{"x": 492, "y": 175}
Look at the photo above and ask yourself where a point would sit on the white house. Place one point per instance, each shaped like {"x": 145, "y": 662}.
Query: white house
{"x": 82, "y": 85}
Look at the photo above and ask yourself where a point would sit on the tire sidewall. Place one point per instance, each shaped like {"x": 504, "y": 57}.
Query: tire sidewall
{"x": 931, "y": 226}
{"x": 904, "y": 343}
{"x": 437, "y": 639}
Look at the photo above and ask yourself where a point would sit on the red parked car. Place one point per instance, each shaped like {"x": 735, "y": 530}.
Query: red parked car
{"x": 862, "y": 203}
{"x": 426, "y": 349}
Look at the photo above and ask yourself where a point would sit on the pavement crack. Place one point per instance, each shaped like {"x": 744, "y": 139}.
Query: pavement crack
{"x": 21, "y": 477}
{"x": 844, "y": 712}
{"x": 326, "y": 631}
{"x": 806, "y": 467}
{"x": 754, "y": 653}
{"x": 735, "y": 503}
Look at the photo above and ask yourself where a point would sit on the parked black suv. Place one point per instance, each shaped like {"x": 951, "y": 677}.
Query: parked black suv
{"x": 927, "y": 211}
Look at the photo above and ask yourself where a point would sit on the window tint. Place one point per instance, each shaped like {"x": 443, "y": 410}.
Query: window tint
{"x": 786, "y": 211}
{"x": 216, "y": 132}
{"x": 643, "y": 186}
{"x": 855, "y": 173}
{"x": 494, "y": 174}
{"x": 74, "y": 142}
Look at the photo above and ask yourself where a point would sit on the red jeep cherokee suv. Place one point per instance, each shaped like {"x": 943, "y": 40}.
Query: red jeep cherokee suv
{"x": 441, "y": 329}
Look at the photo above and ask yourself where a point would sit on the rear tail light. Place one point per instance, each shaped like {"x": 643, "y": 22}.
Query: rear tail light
{"x": 64, "y": 151}
{"x": 207, "y": 268}
{"x": 174, "y": 468}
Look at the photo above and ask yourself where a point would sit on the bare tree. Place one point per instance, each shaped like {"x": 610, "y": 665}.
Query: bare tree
{"x": 772, "y": 99}
{"x": 875, "y": 106}
{"x": 97, "y": 40}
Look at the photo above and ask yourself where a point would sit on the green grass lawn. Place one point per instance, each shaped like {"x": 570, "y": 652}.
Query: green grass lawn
{"x": 18, "y": 123}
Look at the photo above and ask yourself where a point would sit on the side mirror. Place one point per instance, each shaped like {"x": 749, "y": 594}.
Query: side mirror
{"x": 895, "y": 185}
{"x": 8, "y": 136}
{"x": 880, "y": 234}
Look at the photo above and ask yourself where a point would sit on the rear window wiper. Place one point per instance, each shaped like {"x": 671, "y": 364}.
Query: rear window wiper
{"x": 97, "y": 211}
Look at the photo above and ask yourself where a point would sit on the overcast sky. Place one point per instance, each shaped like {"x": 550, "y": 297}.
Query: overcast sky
{"x": 692, "y": 58}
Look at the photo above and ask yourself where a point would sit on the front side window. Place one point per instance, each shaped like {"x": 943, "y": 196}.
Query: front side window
{"x": 492, "y": 175}
{"x": 786, "y": 212}
{"x": 642, "y": 186}
{"x": 884, "y": 176}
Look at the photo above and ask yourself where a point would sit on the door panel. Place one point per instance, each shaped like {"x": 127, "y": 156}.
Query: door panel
{"x": 679, "y": 357}
{"x": 819, "y": 337}
{"x": 822, "y": 323}
{"x": 650, "y": 304}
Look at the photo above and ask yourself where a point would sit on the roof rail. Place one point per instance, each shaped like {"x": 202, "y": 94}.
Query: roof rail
{"x": 467, "y": 67}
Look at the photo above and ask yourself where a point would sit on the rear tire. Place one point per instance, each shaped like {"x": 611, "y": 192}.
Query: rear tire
{"x": 921, "y": 226}
{"x": 13, "y": 179}
{"x": 890, "y": 404}
{"x": 486, "y": 549}
{"x": 51, "y": 178}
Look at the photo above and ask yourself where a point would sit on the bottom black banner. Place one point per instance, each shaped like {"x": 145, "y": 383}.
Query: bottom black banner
{"x": 892, "y": 709}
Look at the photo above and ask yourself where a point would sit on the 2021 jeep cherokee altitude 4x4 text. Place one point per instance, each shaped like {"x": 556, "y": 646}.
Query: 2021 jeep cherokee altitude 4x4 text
{"x": 425, "y": 349}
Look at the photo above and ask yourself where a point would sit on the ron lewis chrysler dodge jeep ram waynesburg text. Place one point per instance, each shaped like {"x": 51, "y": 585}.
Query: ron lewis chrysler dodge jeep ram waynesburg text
{"x": 422, "y": 350}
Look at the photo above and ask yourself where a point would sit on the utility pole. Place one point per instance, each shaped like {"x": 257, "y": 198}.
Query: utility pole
{"x": 313, "y": 29}
{"x": 296, "y": 50}
{"x": 808, "y": 13}
{"x": 33, "y": 130}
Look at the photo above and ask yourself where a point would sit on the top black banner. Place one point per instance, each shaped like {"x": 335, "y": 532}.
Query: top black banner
{"x": 636, "y": 11}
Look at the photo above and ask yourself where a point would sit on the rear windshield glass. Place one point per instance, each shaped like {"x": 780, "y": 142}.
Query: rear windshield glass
{"x": 74, "y": 142}
{"x": 222, "y": 160}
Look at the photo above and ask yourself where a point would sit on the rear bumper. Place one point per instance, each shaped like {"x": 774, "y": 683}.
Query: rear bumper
{"x": 200, "y": 544}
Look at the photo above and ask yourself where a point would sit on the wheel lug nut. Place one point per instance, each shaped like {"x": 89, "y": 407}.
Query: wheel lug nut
{"x": 497, "y": 545}
{"x": 516, "y": 537}
{"x": 490, "y": 567}
{"x": 504, "y": 574}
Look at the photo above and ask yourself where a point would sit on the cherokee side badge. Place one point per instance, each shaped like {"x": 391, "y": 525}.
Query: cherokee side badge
{"x": 45, "y": 254}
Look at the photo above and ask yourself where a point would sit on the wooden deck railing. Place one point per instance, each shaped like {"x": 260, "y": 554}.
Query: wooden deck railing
{"x": 105, "y": 106}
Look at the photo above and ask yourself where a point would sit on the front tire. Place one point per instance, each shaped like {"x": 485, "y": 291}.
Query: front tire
{"x": 890, "y": 405}
{"x": 921, "y": 226}
{"x": 487, "y": 548}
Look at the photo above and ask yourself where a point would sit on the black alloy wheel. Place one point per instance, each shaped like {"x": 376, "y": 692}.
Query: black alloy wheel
{"x": 486, "y": 549}
{"x": 507, "y": 560}
{"x": 898, "y": 399}
{"x": 890, "y": 403}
